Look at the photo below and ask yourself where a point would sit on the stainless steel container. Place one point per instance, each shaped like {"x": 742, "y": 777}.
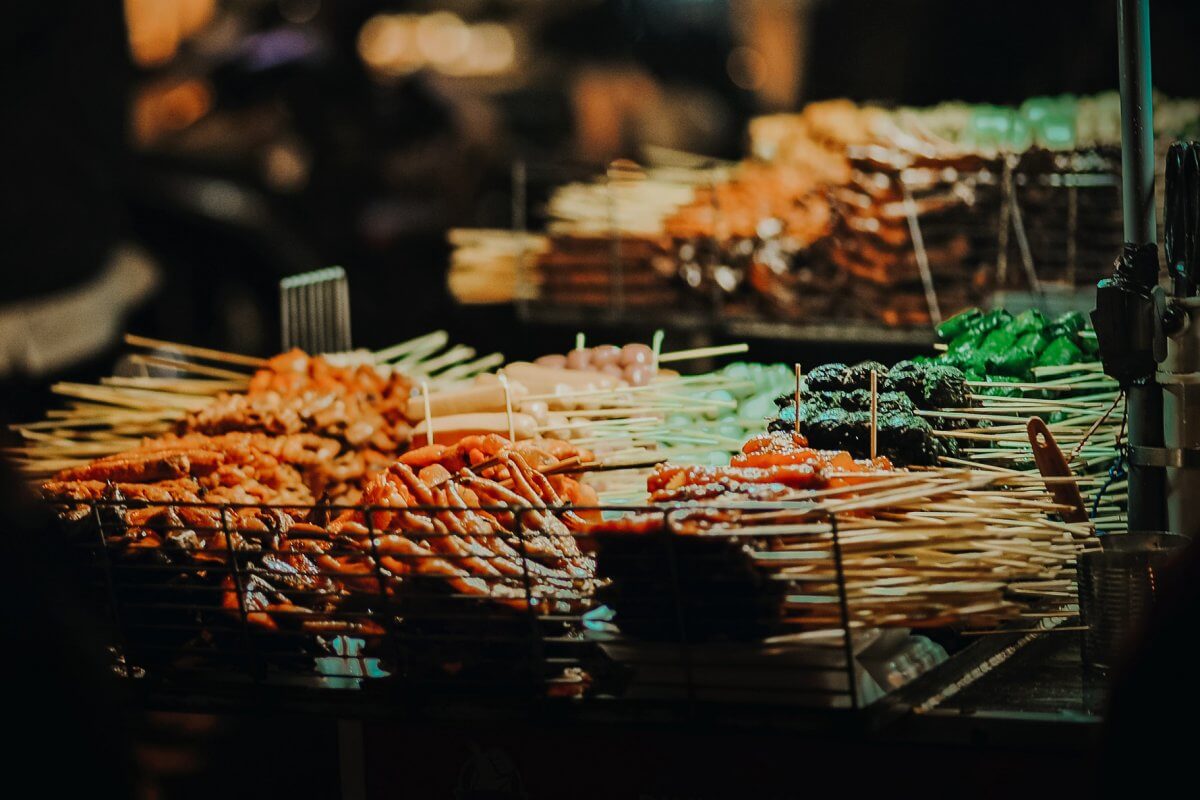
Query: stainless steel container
{"x": 1117, "y": 587}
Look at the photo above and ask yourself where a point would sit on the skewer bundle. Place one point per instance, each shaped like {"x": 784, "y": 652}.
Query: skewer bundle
{"x": 179, "y": 379}
{"x": 1084, "y": 410}
{"x": 917, "y": 549}
{"x": 622, "y": 425}
{"x": 944, "y": 551}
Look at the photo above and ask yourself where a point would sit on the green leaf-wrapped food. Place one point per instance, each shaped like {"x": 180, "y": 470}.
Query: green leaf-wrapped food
{"x": 997, "y": 342}
{"x": 1060, "y": 352}
{"x": 1028, "y": 321}
{"x": 1016, "y": 361}
{"x": 991, "y": 321}
{"x": 959, "y": 324}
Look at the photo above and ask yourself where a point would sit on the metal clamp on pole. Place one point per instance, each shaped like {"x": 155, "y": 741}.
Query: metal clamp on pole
{"x": 1174, "y": 457}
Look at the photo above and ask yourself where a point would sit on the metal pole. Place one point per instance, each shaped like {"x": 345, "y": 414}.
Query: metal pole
{"x": 1147, "y": 490}
{"x": 1137, "y": 122}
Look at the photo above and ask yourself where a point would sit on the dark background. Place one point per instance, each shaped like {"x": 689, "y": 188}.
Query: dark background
{"x": 387, "y": 167}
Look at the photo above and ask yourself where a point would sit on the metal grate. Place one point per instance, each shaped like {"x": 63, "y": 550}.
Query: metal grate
{"x": 228, "y": 605}
{"x": 314, "y": 309}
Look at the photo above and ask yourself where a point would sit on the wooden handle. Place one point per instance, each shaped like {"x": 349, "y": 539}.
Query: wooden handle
{"x": 1053, "y": 464}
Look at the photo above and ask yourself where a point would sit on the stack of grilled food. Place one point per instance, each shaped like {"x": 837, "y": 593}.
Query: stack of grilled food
{"x": 899, "y": 216}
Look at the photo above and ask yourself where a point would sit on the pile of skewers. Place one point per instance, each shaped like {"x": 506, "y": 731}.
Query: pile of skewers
{"x": 930, "y": 548}
{"x": 1024, "y": 366}
{"x": 191, "y": 394}
{"x": 374, "y": 404}
{"x": 514, "y": 453}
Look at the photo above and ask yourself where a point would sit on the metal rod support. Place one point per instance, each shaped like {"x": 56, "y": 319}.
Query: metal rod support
{"x": 1147, "y": 485}
{"x": 1137, "y": 122}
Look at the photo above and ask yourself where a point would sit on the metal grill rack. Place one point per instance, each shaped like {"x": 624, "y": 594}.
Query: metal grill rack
{"x": 229, "y": 610}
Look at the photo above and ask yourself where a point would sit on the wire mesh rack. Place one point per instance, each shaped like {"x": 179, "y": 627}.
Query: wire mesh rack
{"x": 229, "y": 599}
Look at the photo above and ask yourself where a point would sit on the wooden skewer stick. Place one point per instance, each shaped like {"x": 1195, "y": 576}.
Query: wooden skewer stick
{"x": 962, "y": 462}
{"x": 129, "y": 398}
{"x": 1000, "y": 403}
{"x": 508, "y": 412}
{"x": 1095, "y": 426}
{"x": 414, "y": 359}
{"x": 1062, "y": 369}
{"x": 796, "y": 398}
{"x": 874, "y": 412}
{"x": 970, "y": 415}
{"x": 188, "y": 366}
{"x": 1050, "y": 386}
{"x": 646, "y": 424}
{"x": 1058, "y": 629}
{"x": 472, "y": 367}
{"x": 454, "y": 355}
{"x": 111, "y": 417}
{"x": 656, "y": 350}
{"x": 438, "y": 338}
{"x": 703, "y": 352}
{"x": 192, "y": 386}
{"x": 428, "y": 413}
{"x": 619, "y": 411}
{"x": 77, "y": 449}
{"x": 198, "y": 352}
{"x": 683, "y": 400}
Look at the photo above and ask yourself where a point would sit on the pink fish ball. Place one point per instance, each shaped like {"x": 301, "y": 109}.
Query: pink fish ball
{"x": 638, "y": 374}
{"x": 579, "y": 358}
{"x": 636, "y": 354}
{"x": 605, "y": 354}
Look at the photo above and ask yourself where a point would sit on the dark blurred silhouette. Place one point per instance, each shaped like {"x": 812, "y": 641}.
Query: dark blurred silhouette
{"x": 62, "y": 81}
{"x": 69, "y": 279}
{"x": 922, "y": 52}
{"x": 1150, "y": 735}
{"x": 68, "y": 732}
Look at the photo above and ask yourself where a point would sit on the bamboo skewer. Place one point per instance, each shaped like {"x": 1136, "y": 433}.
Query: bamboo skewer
{"x": 702, "y": 352}
{"x": 189, "y": 366}
{"x": 1060, "y": 369}
{"x": 438, "y": 339}
{"x": 198, "y": 352}
{"x": 508, "y": 407}
{"x": 796, "y": 398}
{"x": 205, "y": 387}
{"x": 129, "y": 398}
{"x": 428, "y": 413}
{"x": 874, "y": 413}
{"x": 488, "y": 362}
{"x": 1049, "y": 386}
{"x": 455, "y": 355}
